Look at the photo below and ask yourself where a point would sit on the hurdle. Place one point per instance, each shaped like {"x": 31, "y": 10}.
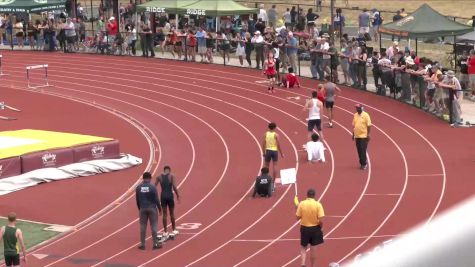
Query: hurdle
{"x": 1, "y": 69}
{"x": 45, "y": 78}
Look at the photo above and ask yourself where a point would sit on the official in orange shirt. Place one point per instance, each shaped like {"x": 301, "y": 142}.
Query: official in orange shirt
{"x": 310, "y": 213}
{"x": 361, "y": 131}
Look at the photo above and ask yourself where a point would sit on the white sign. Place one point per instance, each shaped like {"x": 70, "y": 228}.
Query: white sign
{"x": 200, "y": 12}
{"x": 155, "y": 9}
{"x": 288, "y": 176}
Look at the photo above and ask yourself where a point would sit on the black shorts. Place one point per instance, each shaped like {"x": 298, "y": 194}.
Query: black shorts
{"x": 167, "y": 202}
{"x": 431, "y": 92}
{"x": 271, "y": 155}
{"x": 314, "y": 123}
{"x": 311, "y": 235}
{"x": 329, "y": 104}
{"x": 12, "y": 260}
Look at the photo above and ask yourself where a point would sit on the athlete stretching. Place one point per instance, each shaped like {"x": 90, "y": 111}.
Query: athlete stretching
{"x": 167, "y": 183}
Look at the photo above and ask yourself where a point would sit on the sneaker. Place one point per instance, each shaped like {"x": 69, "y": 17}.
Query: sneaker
{"x": 330, "y": 125}
{"x": 142, "y": 247}
{"x": 157, "y": 246}
{"x": 175, "y": 232}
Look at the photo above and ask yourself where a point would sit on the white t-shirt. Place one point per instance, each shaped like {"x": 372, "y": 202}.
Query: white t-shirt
{"x": 287, "y": 17}
{"x": 315, "y": 151}
{"x": 262, "y": 15}
{"x": 325, "y": 47}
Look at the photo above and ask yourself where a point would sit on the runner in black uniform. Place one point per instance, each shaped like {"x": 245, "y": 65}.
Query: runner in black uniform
{"x": 167, "y": 183}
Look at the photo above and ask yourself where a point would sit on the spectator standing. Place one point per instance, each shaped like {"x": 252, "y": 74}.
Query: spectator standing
{"x": 377, "y": 21}
{"x": 319, "y": 5}
{"x": 146, "y": 39}
{"x": 462, "y": 64}
{"x": 311, "y": 22}
{"x": 363, "y": 22}
{"x": 326, "y": 58}
{"x": 361, "y": 134}
{"x": 2, "y": 28}
{"x": 18, "y": 29}
{"x": 456, "y": 96}
{"x": 31, "y": 33}
{"x": 471, "y": 73}
{"x": 210, "y": 44}
{"x": 201, "y": 37}
{"x": 225, "y": 45}
{"x": 293, "y": 17}
{"x": 131, "y": 38}
{"x": 112, "y": 29}
{"x": 248, "y": 47}
{"x": 258, "y": 43}
{"x": 403, "y": 13}
{"x": 82, "y": 30}
{"x": 292, "y": 49}
{"x": 310, "y": 213}
{"x": 288, "y": 19}
{"x": 392, "y": 50}
{"x": 263, "y": 15}
{"x": 396, "y": 18}
{"x": 362, "y": 77}
{"x": 70, "y": 32}
{"x": 339, "y": 22}
{"x": 272, "y": 16}
{"x": 300, "y": 27}
{"x": 345, "y": 55}
{"x": 146, "y": 197}
{"x": 240, "y": 47}
{"x": 191, "y": 43}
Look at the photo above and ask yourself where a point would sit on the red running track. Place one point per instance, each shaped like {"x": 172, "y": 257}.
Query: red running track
{"x": 206, "y": 122}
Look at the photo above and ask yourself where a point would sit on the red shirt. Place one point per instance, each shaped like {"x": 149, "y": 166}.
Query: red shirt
{"x": 192, "y": 40}
{"x": 471, "y": 65}
{"x": 112, "y": 27}
{"x": 292, "y": 79}
{"x": 321, "y": 96}
{"x": 270, "y": 68}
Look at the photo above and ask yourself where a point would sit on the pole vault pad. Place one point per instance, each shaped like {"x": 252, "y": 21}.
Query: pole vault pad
{"x": 10, "y": 167}
{"x": 45, "y": 149}
{"x": 103, "y": 150}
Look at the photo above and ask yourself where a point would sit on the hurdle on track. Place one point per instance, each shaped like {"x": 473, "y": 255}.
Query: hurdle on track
{"x": 1, "y": 70}
{"x": 45, "y": 77}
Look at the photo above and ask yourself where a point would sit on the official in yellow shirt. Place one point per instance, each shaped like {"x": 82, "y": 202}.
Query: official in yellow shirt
{"x": 361, "y": 133}
{"x": 310, "y": 213}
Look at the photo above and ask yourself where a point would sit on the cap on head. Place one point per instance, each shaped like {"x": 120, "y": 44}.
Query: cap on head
{"x": 450, "y": 74}
{"x": 358, "y": 105}
{"x": 396, "y": 43}
{"x": 257, "y": 32}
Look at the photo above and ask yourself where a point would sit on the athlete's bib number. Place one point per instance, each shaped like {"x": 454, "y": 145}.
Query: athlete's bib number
{"x": 189, "y": 226}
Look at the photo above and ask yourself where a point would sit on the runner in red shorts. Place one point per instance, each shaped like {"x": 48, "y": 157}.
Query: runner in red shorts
{"x": 270, "y": 72}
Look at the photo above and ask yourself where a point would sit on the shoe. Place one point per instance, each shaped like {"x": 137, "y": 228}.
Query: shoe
{"x": 365, "y": 167}
{"x": 330, "y": 125}
{"x": 157, "y": 246}
{"x": 175, "y": 232}
{"x": 141, "y": 247}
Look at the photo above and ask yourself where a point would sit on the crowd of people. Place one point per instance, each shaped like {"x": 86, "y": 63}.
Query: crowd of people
{"x": 269, "y": 41}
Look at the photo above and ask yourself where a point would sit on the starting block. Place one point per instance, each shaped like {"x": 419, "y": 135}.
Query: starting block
{"x": 1, "y": 70}
{"x": 29, "y": 70}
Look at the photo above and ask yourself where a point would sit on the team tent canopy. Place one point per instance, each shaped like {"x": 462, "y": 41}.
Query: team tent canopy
{"x": 468, "y": 37}
{"x": 217, "y": 8}
{"x": 164, "y": 6}
{"x": 30, "y": 6}
{"x": 425, "y": 22}
{"x": 212, "y": 8}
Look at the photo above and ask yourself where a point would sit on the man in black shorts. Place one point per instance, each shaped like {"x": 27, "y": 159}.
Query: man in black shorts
{"x": 310, "y": 213}
{"x": 168, "y": 185}
{"x": 314, "y": 107}
{"x": 264, "y": 184}
{"x": 12, "y": 239}
{"x": 330, "y": 91}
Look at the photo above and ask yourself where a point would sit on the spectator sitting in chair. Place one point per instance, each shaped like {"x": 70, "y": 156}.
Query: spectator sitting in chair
{"x": 264, "y": 185}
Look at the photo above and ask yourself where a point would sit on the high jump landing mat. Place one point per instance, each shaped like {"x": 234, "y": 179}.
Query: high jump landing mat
{"x": 26, "y": 150}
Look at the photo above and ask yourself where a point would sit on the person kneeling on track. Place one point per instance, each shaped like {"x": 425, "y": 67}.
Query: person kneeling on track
{"x": 290, "y": 80}
{"x": 264, "y": 184}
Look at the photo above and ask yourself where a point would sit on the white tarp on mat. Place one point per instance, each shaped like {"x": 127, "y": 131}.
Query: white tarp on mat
{"x": 46, "y": 175}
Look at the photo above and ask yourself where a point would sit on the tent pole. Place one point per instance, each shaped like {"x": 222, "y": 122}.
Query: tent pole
{"x": 92, "y": 19}
{"x": 380, "y": 42}
{"x": 455, "y": 54}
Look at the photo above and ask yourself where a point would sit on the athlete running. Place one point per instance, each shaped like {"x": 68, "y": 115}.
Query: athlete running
{"x": 271, "y": 148}
{"x": 270, "y": 71}
{"x": 167, "y": 183}
{"x": 314, "y": 107}
{"x": 330, "y": 91}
